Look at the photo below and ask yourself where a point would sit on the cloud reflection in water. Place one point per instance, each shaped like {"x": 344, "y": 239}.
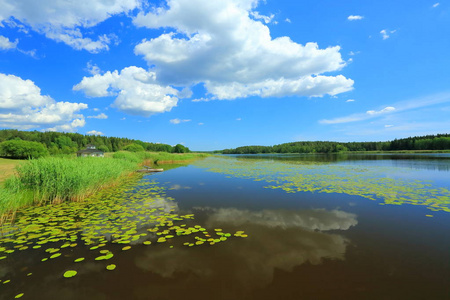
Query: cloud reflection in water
{"x": 278, "y": 239}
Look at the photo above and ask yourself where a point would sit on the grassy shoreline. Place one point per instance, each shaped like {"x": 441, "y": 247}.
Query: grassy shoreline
{"x": 52, "y": 180}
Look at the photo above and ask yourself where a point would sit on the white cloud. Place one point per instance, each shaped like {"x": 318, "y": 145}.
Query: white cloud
{"x": 399, "y": 107}
{"x": 93, "y": 69}
{"x": 178, "y": 121}
{"x": 310, "y": 86}
{"x": 354, "y": 17}
{"x": 238, "y": 119}
{"x": 201, "y": 100}
{"x": 359, "y": 117}
{"x": 6, "y": 44}
{"x": 388, "y": 126}
{"x": 95, "y": 132}
{"x": 63, "y": 20}
{"x": 100, "y": 116}
{"x": 22, "y": 106}
{"x": 383, "y": 111}
{"x": 216, "y": 43}
{"x": 287, "y": 20}
{"x": 436, "y": 5}
{"x": 266, "y": 19}
{"x": 385, "y": 34}
{"x": 350, "y": 100}
{"x": 135, "y": 89}
{"x": 201, "y": 124}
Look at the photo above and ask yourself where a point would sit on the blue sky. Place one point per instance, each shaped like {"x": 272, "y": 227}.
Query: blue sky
{"x": 215, "y": 74}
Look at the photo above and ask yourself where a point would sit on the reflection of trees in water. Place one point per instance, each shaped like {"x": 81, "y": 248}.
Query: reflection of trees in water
{"x": 278, "y": 239}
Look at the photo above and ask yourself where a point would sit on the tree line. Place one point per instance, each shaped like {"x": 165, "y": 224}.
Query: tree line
{"x": 66, "y": 143}
{"x": 427, "y": 142}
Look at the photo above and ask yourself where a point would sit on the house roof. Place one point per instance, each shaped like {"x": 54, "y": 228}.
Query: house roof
{"x": 90, "y": 151}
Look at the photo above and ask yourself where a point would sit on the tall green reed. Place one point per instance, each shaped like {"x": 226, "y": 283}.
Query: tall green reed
{"x": 55, "y": 179}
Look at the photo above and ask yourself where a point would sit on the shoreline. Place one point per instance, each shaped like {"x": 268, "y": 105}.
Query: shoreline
{"x": 34, "y": 182}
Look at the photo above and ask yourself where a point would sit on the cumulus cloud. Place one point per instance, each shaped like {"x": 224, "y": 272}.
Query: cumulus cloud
{"x": 258, "y": 16}
{"x": 100, "y": 116}
{"x": 178, "y": 121}
{"x": 436, "y": 5}
{"x": 95, "y": 132}
{"x": 350, "y": 100}
{"x": 218, "y": 44}
{"x": 63, "y": 21}
{"x": 136, "y": 90}
{"x": 6, "y": 44}
{"x": 22, "y": 106}
{"x": 354, "y": 17}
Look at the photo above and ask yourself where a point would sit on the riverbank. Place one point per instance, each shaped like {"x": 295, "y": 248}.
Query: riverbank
{"x": 53, "y": 180}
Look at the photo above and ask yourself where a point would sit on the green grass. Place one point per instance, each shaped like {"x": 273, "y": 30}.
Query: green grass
{"x": 58, "y": 179}
{"x": 7, "y": 167}
{"x": 157, "y": 157}
{"x": 66, "y": 178}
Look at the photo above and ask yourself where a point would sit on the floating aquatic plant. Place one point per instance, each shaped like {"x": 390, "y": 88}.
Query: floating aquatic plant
{"x": 70, "y": 273}
{"x": 135, "y": 213}
{"x": 372, "y": 183}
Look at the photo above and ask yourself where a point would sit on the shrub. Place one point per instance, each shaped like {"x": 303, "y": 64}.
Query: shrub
{"x": 134, "y": 148}
{"x": 22, "y": 149}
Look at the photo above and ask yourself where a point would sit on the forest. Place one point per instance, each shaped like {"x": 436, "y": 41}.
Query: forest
{"x": 427, "y": 142}
{"x": 67, "y": 143}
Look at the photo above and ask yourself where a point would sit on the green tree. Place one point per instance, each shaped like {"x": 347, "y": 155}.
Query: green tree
{"x": 134, "y": 148}
{"x": 180, "y": 149}
{"x": 103, "y": 148}
{"x": 22, "y": 149}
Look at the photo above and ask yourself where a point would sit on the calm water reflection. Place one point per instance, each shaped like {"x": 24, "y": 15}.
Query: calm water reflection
{"x": 316, "y": 230}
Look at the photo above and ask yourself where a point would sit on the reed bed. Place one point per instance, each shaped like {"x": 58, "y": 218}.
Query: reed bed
{"x": 157, "y": 157}
{"x": 51, "y": 180}
{"x": 56, "y": 179}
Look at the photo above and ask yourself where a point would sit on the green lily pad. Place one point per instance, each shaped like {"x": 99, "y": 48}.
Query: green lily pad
{"x": 70, "y": 273}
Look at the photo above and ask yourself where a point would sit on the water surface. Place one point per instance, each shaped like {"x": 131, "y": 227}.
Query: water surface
{"x": 296, "y": 226}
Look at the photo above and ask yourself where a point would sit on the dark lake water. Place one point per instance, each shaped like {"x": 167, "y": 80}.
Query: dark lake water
{"x": 245, "y": 227}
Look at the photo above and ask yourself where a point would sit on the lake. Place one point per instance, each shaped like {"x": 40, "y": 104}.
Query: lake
{"x": 343, "y": 226}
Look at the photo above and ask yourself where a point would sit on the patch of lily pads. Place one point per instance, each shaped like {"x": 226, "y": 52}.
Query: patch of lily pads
{"x": 108, "y": 223}
{"x": 372, "y": 183}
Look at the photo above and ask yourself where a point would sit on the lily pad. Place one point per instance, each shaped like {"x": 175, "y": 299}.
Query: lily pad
{"x": 70, "y": 273}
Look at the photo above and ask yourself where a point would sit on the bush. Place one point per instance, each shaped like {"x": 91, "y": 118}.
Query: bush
{"x": 103, "y": 148}
{"x": 180, "y": 149}
{"x": 134, "y": 148}
{"x": 22, "y": 149}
